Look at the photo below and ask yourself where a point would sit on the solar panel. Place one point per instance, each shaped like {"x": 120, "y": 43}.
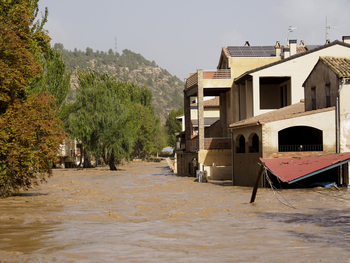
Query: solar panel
{"x": 252, "y": 51}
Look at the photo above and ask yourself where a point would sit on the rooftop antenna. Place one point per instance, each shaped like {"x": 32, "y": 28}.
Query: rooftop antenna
{"x": 328, "y": 27}
{"x": 290, "y": 30}
{"x": 115, "y": 45}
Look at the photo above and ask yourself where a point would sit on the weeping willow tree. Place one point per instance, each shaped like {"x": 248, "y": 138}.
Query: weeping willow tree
{"x": 106, "y": 115}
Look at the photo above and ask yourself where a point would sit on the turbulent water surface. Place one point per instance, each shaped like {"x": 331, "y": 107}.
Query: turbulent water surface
{"x": 145, "y": 214}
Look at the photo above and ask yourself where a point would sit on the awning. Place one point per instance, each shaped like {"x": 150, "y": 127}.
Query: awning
{"x": 294, "y": 169}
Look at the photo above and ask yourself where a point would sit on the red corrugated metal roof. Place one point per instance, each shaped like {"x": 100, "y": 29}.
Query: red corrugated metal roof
{"x": 294, "y": 169}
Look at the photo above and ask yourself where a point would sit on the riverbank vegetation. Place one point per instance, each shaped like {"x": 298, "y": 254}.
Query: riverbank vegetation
{"x": 114, "y": 118}
{"x": 30, "y": 129}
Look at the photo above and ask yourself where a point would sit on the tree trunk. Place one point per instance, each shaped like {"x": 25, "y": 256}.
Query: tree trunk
{"x": 111, "y": 163}
{"x": 81, "y": 154}
{"x": 87, "y": 160}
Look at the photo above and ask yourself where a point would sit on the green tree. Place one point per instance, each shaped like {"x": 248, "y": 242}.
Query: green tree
{"x": 30, "y": 137}
{"x": 104, "y": 117}
{"x": 160, "y": 136}
{"x": 149, "y": 81}
{"x": 30, "y": 130}
{"x": 89, "y": 52}
{"x": 54, "y": 78}
{"x": 21, "y": 42}
{"x": 147, "y": 142}
{"x": 173, "y": 126}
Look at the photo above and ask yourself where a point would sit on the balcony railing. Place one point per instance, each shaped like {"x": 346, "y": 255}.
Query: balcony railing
{"x": 217, "y": 74}
{"x": 301, "y": 148}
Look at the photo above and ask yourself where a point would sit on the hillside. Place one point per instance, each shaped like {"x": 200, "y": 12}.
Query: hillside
{"x": 167, "y": 89}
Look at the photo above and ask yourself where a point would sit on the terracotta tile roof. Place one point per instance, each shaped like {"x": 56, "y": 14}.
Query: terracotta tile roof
{"x": 212, "y": 103}
{"x": 339, "y": 65}
{"x": 301, "y": 49}
{"x": 292, "y": 111}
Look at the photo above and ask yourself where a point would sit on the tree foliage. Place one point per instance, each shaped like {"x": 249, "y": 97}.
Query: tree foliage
{"x": 30, "y": 130}
{"x": 149, "y": 140}
{"x": 30, "y": 136}
{"x": 53, "y": 78}
{"x": 132, "y": 67}
{"x": 173, "y": 125}
{"x": 21, "y": 43}
{"x": 103, "y": 116}
{"x": 113, "y": 119}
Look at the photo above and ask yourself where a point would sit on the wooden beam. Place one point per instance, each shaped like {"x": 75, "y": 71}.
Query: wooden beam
{"x": 262, "y": 169}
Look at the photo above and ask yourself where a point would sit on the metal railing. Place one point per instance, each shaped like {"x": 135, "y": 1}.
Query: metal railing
{"x": 301, "y": 148}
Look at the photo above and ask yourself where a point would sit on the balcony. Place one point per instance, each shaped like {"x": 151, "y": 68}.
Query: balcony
{"x": 209, "y": 144}
{"x": 211, "y": 79}
{"x": 217, "y": 143}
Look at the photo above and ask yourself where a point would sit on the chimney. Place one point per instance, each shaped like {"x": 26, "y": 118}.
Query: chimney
{"x": 278, "y": 48}
{"x": 286, "y": 52}
{"x": 346, "y": 39}
{"x": 293, "y": 46}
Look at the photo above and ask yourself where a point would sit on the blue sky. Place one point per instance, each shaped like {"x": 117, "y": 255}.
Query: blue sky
{"x": 185, "y": 35}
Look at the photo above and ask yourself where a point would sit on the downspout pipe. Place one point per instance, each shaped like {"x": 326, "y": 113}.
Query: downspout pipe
{"x": 337, "y": 125}
{"x": 337, "y": 113}
{"x": 232, "y": 158}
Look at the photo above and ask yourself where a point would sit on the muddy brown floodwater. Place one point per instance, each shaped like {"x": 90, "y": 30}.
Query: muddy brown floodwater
{"x": 146, "y": 214}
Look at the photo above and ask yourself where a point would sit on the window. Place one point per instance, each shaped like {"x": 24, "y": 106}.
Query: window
{"x": 254, "y": 143}
{"x": 313, "y": 98}
{"x": 328, "y": 95}
{"x": 240, "y": 142}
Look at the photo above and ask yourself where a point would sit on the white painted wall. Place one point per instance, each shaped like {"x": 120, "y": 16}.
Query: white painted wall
{"x": 298, "y": 69}
{"x": 344, "y": 107}
{"x": 324, "y": 121}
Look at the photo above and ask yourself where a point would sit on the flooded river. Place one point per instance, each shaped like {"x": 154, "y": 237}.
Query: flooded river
{"x": 146, "y": 214}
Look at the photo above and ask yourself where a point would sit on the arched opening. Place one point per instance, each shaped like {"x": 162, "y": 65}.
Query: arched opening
{"x": 300, "y": 138}
{"x": 240, "y": 144}
{"x": 253, "y": 143}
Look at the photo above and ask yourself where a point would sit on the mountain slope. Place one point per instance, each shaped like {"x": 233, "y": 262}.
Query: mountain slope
{"x": 167, "y": 90}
